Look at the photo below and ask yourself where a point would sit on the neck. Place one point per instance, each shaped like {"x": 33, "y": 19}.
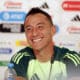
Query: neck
{"x": 45, "y": 54}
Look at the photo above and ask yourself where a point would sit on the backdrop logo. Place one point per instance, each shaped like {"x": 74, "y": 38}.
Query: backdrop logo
{"x": 76, "y": 18}
{"x": 74, "y": 30}
{"x": 11, "y": 4}
{"x": 21, "y": 43}
{"x": 11, "y": 28}
{"x": 12, "y": 16}
{"x": 44, "y": 6}
{"x": 3, "y": 62}
{"x": 71, "y": 5}
{"x": 5, "y": 50}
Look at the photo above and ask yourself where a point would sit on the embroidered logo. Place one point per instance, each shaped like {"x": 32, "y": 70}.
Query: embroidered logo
{"x": 35, "y": 77}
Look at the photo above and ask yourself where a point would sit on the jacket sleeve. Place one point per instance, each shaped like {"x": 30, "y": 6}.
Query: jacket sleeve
{"x": 72, "y": 61}
{"x": 19, "y": 64}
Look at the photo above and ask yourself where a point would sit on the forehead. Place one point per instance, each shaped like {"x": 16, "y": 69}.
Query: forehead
{"x": 37, "y": 16}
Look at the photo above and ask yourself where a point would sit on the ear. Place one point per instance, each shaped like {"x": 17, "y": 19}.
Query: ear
{"x": 53, "y": 30}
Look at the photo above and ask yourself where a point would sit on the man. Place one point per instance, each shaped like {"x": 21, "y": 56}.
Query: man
{"x": 43, "y": 60}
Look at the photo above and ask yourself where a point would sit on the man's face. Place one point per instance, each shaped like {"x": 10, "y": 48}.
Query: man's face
{"x": 39, "y": 31}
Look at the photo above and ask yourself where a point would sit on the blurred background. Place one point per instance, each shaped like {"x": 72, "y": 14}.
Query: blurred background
{"x": 64, "y": 13}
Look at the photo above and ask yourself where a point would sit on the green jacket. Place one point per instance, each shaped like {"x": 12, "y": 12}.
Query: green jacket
{"x": 64, "y": 64}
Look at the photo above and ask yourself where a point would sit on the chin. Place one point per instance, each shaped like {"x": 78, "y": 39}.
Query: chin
{"x": 36, "y": 48}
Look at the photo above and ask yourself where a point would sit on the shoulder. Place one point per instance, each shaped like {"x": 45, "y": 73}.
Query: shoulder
{"x": 72, "y": 57}
{"x": 22, "y": 55}
{"x": 72, "y": 61}
{"x": 68, "y": 55}
{"x": 25, "y": 50}
{"x": 60, "y": 52}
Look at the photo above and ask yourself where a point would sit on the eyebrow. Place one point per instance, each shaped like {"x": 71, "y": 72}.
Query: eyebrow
{"x": 27, "y": 26}
{"x": 40, "y": 23}
{"x": 37, "y": 24}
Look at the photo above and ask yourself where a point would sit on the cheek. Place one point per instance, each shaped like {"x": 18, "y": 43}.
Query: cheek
{"x": 47, "y": 33}
{"x": 28, "y": 36}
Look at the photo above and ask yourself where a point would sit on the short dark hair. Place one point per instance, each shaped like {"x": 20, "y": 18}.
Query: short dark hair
{"x": 37, "y": 10}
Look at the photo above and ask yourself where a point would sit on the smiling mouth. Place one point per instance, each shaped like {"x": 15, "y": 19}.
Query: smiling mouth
{"x": 36, "y": 40}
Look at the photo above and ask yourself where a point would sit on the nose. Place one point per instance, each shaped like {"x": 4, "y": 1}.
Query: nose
{"x": 35, "y": 32}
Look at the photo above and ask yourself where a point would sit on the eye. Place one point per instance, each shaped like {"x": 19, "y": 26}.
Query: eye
{"x": 40, "y": 27}
{"x": 28, "y": 28}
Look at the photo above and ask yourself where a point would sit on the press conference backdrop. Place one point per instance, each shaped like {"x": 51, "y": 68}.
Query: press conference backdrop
{"x": 64, "y": 13}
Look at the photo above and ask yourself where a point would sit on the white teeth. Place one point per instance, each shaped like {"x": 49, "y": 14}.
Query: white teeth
{"x": 36, "y": 40}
